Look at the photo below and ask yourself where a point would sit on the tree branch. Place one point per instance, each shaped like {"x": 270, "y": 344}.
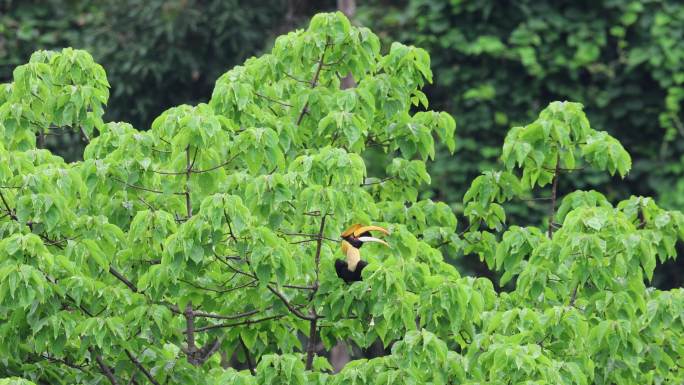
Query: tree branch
{"x": 289, "y": 306}
{"x": 193, "y": 171}
{"x": 190, "y": 333}
{"x": 248, "y": 356}
{"x": 573, "y": 297}
{"x": 554, "y": 190}
{"x": 188, "y": 168}
{"x": 311, "y": 345}
{"x": 123, "y": 279}
{"x": 141, "y": 367}
{"x": 296, "y": 79}
{"x": 104, "y": 368}
{"x": 272, "y": 100}
{"x": 319, "y": 244}
{"x": 220, "y": 316}
{"x": 207, "y": 350}
{"x": 314, "y": 81}
{"x": 145, "y": 188}
{"x": 246, "y": 274}
{"x": 10, "y": 212}
{"x": 245, "y": 322}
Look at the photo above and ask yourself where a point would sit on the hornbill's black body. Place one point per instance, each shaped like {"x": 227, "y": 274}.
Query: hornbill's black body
{"x": 347, "y": 275}
{"x": 353, "y": 239}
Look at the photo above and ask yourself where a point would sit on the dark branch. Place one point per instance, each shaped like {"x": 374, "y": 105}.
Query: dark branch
{"x": 123, "y": 279}
{"x": 104, "y": 368}
{"x": 145, "y": 188}
{"x": 245, "y": 322}
{"x": 554, "y": 191}
{"x": 272, "y": 100}
{"x": 10, "y": 212}
{"x": 190, "y": 333}
{"x": 314, "y": 81}
{"x": 289, "y": 306}
{"x": 248, "y": 356}
{"x": 141, "y": 367}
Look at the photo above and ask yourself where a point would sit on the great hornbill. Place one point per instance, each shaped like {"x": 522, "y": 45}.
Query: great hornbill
{"x": 352, "y": 240}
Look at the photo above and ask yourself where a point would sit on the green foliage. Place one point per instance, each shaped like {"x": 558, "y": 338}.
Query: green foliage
{"x": 497, "y": 64}
{"x": 158, "y": 53}
{"x": 216, "y": 232}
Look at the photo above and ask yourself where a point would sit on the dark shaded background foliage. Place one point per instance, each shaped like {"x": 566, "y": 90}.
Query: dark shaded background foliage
{"x": 496, "y": 64}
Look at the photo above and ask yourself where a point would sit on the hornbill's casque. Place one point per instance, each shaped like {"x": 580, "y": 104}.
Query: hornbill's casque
{"x": 352, "y": 240}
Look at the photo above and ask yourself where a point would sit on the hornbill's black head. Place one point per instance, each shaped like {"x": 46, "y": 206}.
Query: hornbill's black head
{"x": 352, "y": 240}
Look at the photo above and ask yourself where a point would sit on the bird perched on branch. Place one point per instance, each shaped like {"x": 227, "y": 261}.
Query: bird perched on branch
{"x": 352, "y": 240}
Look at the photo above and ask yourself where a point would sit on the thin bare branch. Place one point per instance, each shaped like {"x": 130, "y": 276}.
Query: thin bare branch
{"x": 141, "y": 367}
{"x": 554, "y": 191}
{"x": 289, "y": 306}
{"x": 123, "y": 279}
{"x": 248, "y": 356}
{"x": 247, "y": 274}
{"x": 314, "y": 81}
{"x": 272, "y": 100}
{"x": 104, "y": 368}
{"x": 296, "y": 79}
{"x": 145, "y": 188}
{"x": 9, "y": 210}
{"x": 245, "y": 322}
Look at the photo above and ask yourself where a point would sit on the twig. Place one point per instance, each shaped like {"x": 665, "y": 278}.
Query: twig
{"x": 295, "y": 79}
{"x": 219, "y": 316}
{"x": 149, "y": 206}
{"x": 554, "y": 189}
{"x": 312, "y": 236}
{"x": 231, "y": 267}
{"x": 145, "y": 188}
{"x": 573, "y": 297}
{"x": 188, "y": 204}
{"x": 245, "y": 322}
{"x": 248, "y": 356}
{"x": 311, "y": 345}
{"x": 219, "y": 291}
{"x": 104, "y": 368}
{"x": 314, "y": 81}
{"x": 272, "y": 100}
{"x": 319, "y": 245}
{"x": 132, "y": 380}
{"x": 141, "y": 367}
{"x": 193, "y": 171}
{"x": 123, "y": 279}
{"x": 66, "y": 363}
{"x": 289, "y": 306}
{"x": 9, "y": 210}
{"x": 534, "y": 199}
{"x": 217, "y": 166}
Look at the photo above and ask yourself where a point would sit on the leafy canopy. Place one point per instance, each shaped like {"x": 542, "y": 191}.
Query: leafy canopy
{"x": 497, "y": 63}
{"x": 215, "y": 232}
